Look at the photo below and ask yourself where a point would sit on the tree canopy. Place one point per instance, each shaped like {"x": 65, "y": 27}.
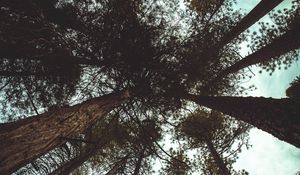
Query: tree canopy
{"x": 60, "y": 59}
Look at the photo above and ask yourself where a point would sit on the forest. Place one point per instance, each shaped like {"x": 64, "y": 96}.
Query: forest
{"x": 138, "y": 87}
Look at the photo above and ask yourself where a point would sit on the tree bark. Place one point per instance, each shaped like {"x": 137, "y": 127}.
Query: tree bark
{"x": 279, "y": 117}
{"x": 217, "y": 158}
{"x": 24, "y": 140}
{"x": 260, "y": 10}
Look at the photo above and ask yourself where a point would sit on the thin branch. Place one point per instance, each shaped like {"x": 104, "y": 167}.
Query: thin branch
{"x": 7, "y": 82}
{"x": 78, "y": 140}
{"x": 30, "y": 99}
{"x": 138, "y": 122}
{"x": 170, "y": 154}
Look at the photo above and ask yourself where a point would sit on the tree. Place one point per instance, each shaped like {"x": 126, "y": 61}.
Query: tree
{"x": 281, "y": 45}
{"x": 294, "y": 89}
{"x": 127, "y": 152}
{"x": 177, "y": 165}
{"x": 268, "y": 47}
{"x": 126, "y": 44}
{"x": 263, "y": 7}
{"x": 215, "y": 134}
{"x": 65, "y": 16}
{"x": 97, "y": 138}
{"x": 278, "y": 117}
{"x": 26, "y": 139}
{"x": 117, "y": 165}
{"x": 35, "y": 60}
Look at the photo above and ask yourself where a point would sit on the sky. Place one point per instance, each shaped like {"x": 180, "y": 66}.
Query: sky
{"x": 268, "y": 155}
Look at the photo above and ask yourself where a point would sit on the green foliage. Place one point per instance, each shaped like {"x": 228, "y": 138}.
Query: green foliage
{"x": 294, "y": 90}
{"x": 281, "y": 21}
{"x": 227, "y": 136}
{"x": 127, "y": 44}
{"x": 64, "y": 52}
{"x": 35, "y": 70}
{"x": 178, "y": 165}
{"x": 204, "y": 6}
{"x": 202, "y": 126}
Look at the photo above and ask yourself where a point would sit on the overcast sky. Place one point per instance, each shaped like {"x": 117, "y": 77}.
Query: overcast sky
{"x": 268, "y": 155}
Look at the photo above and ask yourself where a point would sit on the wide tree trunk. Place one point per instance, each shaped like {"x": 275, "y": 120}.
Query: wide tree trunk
{"x": 260, "y": 10}
{"x": 217, "y": 158}
{"x": 279, "y": 117}
{"x": 24, "y": 140}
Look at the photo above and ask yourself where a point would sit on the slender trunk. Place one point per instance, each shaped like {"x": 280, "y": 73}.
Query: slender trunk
{"x": 24, "y": 140}
{"x": 281, "y": 45}
{"x": 217, "y": 158}
{"x": 117, "y": 165}
{"x": 279, "y": 117}
{"x": 76, "y": 162}
{"x": 260, "y": 10}
{"x": 139, "y": 162}
{"x": 87, "y": 152}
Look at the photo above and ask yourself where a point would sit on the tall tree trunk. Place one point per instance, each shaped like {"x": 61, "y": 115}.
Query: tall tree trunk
{"x": 217, "y": 158}
{"x": 279, "y": 117}
{"x": 260, "y": 10}
{"x": 139, "y": 162}
{"x": 24, "y": 140}
{"x": 281, "y": 45}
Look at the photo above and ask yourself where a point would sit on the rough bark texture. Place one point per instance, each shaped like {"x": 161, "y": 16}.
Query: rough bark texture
{"x": 217, "y": 158}
{"x": 279, "y": 117}
{"x": 24, "y": 140}
{"x": 254, "y": 15}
